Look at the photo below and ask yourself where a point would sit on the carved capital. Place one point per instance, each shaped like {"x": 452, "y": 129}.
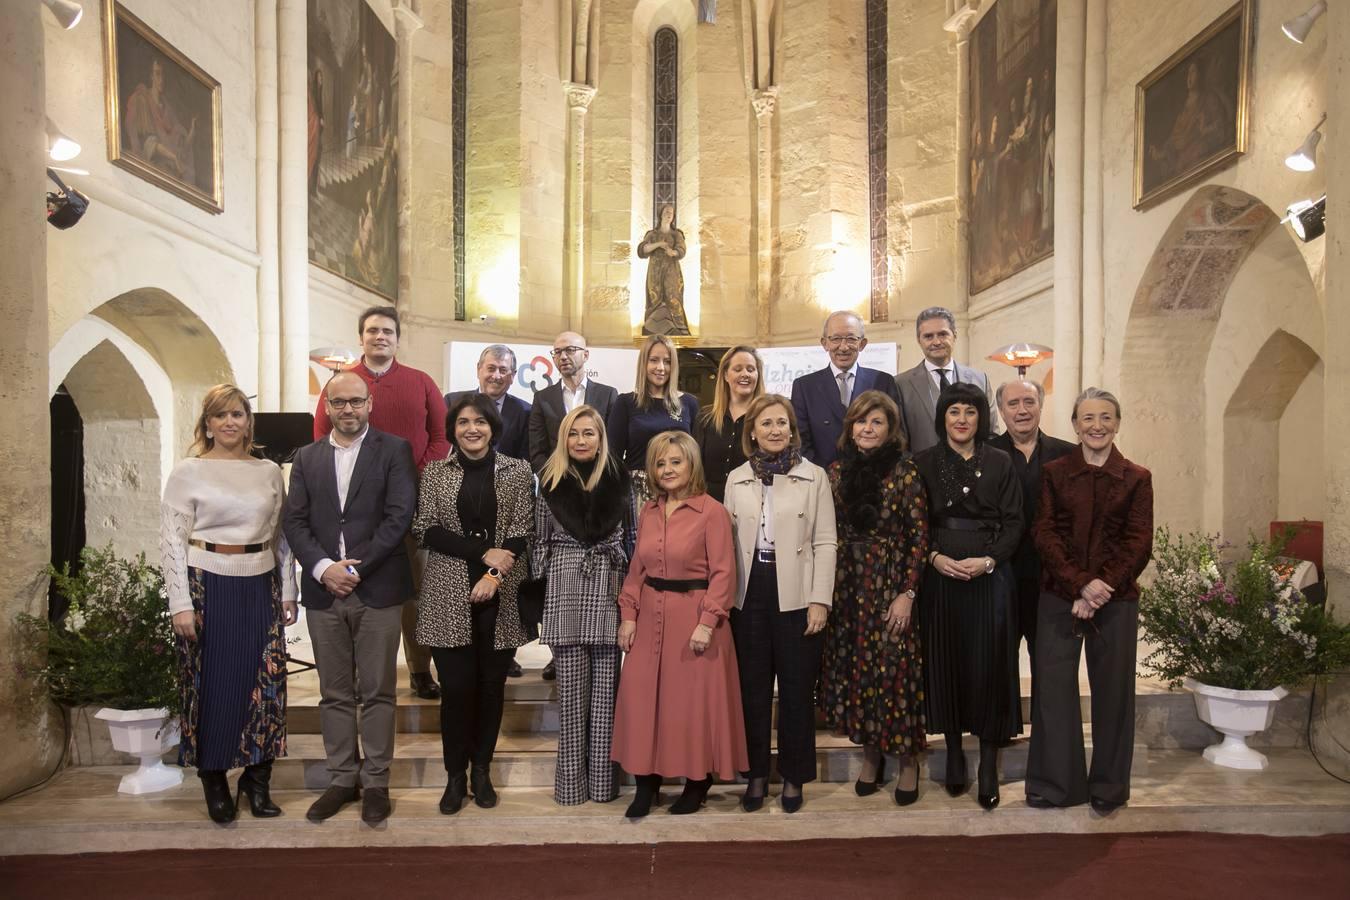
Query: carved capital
{"x": 579, "y": 96}
{"x": 961, "y": 21}
{"x": 406, "y": 20}
{"x": 764, "y": 102}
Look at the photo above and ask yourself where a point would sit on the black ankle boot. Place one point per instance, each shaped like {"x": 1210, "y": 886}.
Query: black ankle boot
{"x": 988, "y": 790}
{"x": 691, "y": 801}
{"x": 648, "y": 790}
{"x": 219, "y": 804}
{"x": 456, "y": 789}
{"x": 480, "y": 782}
{"x": 957, "y": 782}
{"x": 255, "y": 785}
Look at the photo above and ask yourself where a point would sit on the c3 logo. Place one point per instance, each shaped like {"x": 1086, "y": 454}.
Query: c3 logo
{"x": 537, "y": 374}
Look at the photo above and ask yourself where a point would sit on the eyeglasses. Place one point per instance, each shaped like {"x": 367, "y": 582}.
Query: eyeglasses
{"x": 344, "y": 403}
{"x": 566, "y": 351}
{"x": 847, "y": 340}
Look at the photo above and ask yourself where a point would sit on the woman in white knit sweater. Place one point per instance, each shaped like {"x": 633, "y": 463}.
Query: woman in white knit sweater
{"x": 229, "y": 575}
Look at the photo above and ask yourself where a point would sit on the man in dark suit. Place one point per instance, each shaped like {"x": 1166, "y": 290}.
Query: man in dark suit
{"x": 1020, "y": 403}
{"x": 820, "y": 398}
{"x": 557, "y": 400}
{"x": 350, "y": 504}
{"x": 496, "y": 371}
{"x": 919, "y": 387}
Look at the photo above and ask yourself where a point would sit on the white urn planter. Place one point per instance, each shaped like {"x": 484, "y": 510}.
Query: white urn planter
{"x": 1236, "y": 715}
{"x": 145, "y": 734}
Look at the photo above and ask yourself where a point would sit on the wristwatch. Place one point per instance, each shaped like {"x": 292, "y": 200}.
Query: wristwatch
{"x": 910, "y": 593}
{"x": 989, "y": 565}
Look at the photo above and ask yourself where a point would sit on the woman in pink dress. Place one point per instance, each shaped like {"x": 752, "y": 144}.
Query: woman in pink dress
{"x": 679, "y": 706}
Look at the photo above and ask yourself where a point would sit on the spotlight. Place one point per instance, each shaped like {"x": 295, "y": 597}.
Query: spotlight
{"x": 60, "y": 147}
{"x": 66, "y": 207}
{"x": 1304, "y": 159}
{"x": 66, "y": 12}
{"x": 1297, "y": 28}
{"x": 1308, "y": 218}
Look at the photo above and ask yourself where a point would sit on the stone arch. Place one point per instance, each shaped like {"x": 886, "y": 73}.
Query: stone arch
{"x": 1223, "y": 280}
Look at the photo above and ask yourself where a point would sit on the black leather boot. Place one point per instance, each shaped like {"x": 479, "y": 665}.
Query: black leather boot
{"x": 480, "y": 782}
{"x": 219, "y": 804}
{"x": 456, "y": 789}
{"x": 691, "y": 801}
{"x": 254, "y": 784}
{"x": 648, "y": 790}
{"x": 988, "y": 789}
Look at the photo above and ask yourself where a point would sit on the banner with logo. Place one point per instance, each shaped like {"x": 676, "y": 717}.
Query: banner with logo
{"x": 617, "y": 366}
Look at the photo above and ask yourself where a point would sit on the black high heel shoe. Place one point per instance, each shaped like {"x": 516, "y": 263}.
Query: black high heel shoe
{"x": 957, "y": 781}
{"x": 753, "y": 802}
{"x": 220, "y": 805}
{"x": 988, "y": 790}
{"x": 907, "y": 797}
{"x": 691, "y": 801}
{"x": 255, "y": 785}
{"x": 868, "y": 788}
{"x": 648, "y": 790}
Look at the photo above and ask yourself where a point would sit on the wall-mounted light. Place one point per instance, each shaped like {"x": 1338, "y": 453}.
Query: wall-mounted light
{"x": 1304, "y": 159}
{"x": 1308, "y": 218}
{"x": 66, "y": 206}
{"x": 1297, "y": 28}
{"x": 1021, "y": 356}
{"x": 335, "y": 359}
{"x": 60, "y": 147}
{"x": 66, "y": 12}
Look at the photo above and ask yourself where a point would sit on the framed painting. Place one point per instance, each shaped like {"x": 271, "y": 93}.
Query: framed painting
{"x": 163, "y": 111}
{"x": 1191, "y": 112}
{"x": 353, "y": 145}
{"x": 1012, "y": 140}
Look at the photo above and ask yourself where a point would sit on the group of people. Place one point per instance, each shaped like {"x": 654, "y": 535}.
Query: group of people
{"x": 867, "y": 546}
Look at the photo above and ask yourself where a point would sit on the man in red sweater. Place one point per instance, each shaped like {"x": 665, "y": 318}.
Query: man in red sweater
{"x": 407, "y": 404}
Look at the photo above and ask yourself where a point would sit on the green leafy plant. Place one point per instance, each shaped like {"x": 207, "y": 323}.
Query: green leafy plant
{"x": 1241, "y": 625}
{"x": 115, "y": 646}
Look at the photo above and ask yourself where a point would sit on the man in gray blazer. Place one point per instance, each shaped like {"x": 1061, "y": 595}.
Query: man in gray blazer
{"x": 350, "y": 504}
{"x": 919, "y": 387}
{"x": 557, "y": 400}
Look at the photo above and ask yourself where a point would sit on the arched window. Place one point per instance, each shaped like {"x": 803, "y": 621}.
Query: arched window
{"x": 665, "y": 119}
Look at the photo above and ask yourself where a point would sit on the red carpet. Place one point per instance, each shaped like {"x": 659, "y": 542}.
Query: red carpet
{"x": 1184, "y": 865}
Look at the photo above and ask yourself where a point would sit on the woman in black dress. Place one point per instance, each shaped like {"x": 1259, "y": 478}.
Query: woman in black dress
{"x": 655, "y": 404}
{"x": 967, "y": 612}
{"x": 740, "y": 381}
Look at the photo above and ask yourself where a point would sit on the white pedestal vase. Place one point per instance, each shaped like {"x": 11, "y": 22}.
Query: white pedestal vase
{"x": 146, "y": 734}
{"x": 1236, "y": 715}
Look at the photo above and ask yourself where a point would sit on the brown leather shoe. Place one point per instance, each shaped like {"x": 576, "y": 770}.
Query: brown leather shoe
{"x": 374, "y": 805}
{"x": 332, "y": 800}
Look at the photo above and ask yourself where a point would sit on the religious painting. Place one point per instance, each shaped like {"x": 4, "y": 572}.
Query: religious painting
{"x": 1190, "y": 117}
{"x": 163, "y": 111}
{"x": 1012, "y": 140}
{"x": 353, "y": 145}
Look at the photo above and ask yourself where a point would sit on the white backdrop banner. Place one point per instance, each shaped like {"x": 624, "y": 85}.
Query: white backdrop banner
{"x": 617, "y": 366}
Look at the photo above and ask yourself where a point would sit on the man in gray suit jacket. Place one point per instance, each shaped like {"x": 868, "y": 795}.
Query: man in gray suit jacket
{"x": 919, "y": 387}
{"x": 350, "y": 504}
{"x": 557, "y": 400}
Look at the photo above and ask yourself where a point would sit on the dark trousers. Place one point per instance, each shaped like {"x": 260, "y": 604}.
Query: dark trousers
{"x": 1028, "y": 610}
{"x": 1057, "y": 767}
{"x": 770, "y": 644}
{"x": 473, "y": 687}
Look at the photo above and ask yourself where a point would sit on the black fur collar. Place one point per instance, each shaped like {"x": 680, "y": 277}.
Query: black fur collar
{"x": 590, "y": 516}
{"x": 860, "y": 481}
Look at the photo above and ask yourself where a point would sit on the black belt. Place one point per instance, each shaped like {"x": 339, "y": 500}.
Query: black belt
{"x": 677, "y": 585}
{"x": 210, "y": 547}
{"x": 951, "y": 523}
{"x": 765, "y": 556}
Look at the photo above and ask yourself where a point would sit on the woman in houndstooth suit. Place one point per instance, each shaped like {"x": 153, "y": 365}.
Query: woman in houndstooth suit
{"x": 584, "y": 527}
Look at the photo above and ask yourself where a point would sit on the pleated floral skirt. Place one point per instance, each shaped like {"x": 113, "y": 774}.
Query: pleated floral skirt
{"x": 232, "y": 678}
{"x": 969, "y": 633}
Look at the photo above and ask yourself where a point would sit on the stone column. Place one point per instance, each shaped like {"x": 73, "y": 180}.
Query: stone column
{"x": 579, "y": 97}
{"x": 406, "y": 24}
{"x": 269, "y": 285}
{"x": 1336, "y": 364}
{"x": 764, "y": 103}
{"x": 960, "y": 25}
{"x": 293, "y": 194}
{"x": 25, "y": 501}
{"x": 1094, "y": 276}
{"x": 1069, "y": 51}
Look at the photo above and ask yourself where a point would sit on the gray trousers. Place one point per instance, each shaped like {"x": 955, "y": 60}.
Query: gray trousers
{"x": 1057, "y": 767}
{"x": 588, "y": 684}
{"x": 418, "y": 657}
{"x": 352, "y": 636}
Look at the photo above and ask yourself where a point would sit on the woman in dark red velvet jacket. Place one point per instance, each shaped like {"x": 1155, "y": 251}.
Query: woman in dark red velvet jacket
{"x": 1094, "y": 532}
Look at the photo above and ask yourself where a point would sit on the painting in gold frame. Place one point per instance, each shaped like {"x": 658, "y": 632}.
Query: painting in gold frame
{"x": 1191, "y": 112}
{"x": 163, "y": 111}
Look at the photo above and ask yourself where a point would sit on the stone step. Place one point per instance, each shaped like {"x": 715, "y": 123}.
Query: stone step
{"x": 527, "y": 761}
{"x": 79, "y": 811}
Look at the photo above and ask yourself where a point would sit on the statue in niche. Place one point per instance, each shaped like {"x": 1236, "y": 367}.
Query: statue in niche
{"x": 664, "y": 247}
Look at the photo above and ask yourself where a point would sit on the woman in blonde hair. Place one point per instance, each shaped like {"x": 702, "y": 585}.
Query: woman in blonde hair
{"x": 229, "y": 576}
{"x": 655, "y": 405}
{"x": 740, "y": 381}
{"x": 679, "y": 707}
{"x": 583, "y": 522}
